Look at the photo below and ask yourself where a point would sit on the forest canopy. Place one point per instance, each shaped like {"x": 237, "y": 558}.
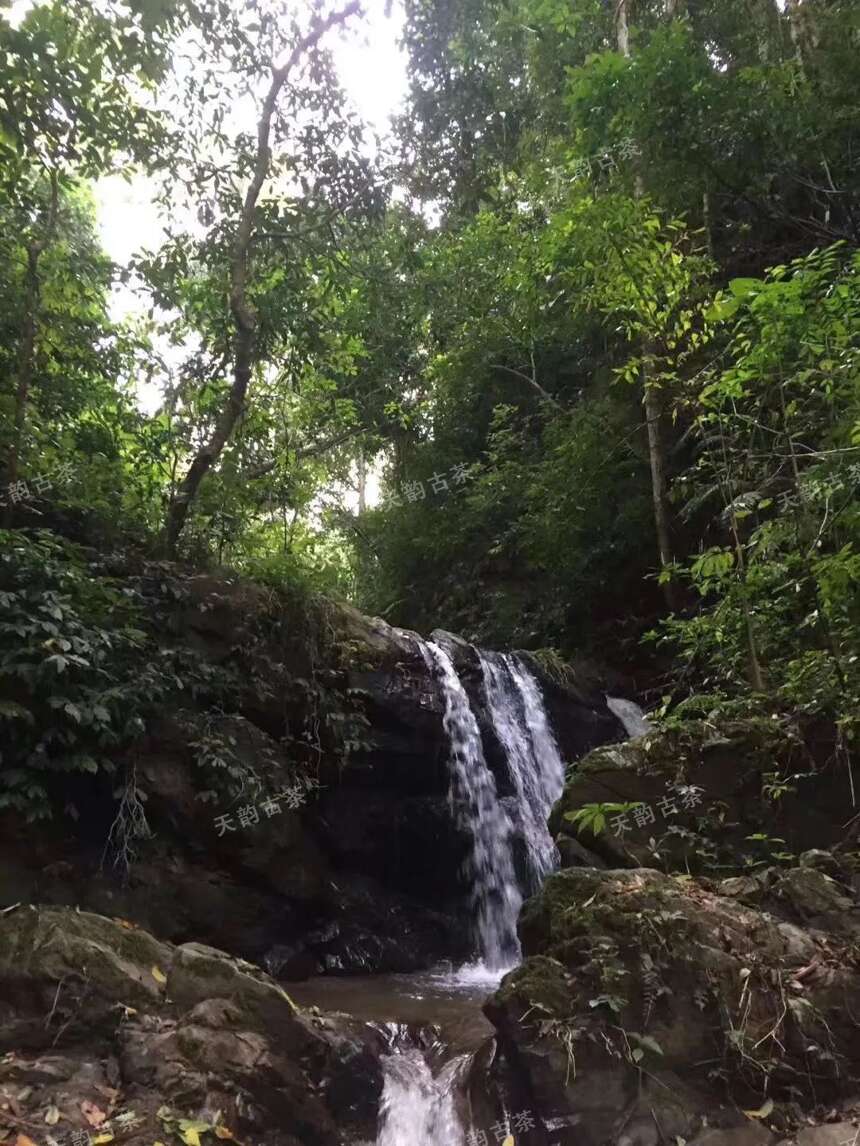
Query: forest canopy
{"x": 570, "y": 360}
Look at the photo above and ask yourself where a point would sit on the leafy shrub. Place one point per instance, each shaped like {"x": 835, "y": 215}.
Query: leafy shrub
{"x": 73, "y": 672}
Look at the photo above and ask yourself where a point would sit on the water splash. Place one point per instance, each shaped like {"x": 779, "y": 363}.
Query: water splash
{"x": 631, "y": 716}
{"x": 496, "y": 898}
{"x": 417, "y": 1107}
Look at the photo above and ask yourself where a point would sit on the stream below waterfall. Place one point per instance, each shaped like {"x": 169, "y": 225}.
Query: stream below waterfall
{"x": 432, "y": 1021}
{"x": 434, "y": 1026}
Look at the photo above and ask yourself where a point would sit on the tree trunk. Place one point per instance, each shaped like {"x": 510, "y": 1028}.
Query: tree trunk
{"x": 651, "y": 401}
{"x": 27, "y": 345}
{"x": 622, "y": 27}
{"x": 804, "y": 34}
{"x": 654, "y": 418}
{"x": 362, "y": 480}
{"x": 244, "y": 315}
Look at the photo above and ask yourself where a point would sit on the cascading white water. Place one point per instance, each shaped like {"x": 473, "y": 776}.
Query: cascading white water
{"x": 496, "y": 898}
{"x": 418, "y": 1108}
{"x": 537, "y": 771}
{"x": 630, "y": 714}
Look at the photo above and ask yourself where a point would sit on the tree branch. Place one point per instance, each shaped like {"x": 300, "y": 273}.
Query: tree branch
{"x": 311, "y": 451}
{"x": 244, "y": 313}
{"x": 533, "y": 382}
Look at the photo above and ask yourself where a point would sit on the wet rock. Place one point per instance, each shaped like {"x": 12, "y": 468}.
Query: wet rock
{"x": 291, "y": 962}
{"x": 752, "y": 1134}
{"x": 705, "y": 797}
{"x": 829, "y": 1134}
{"x": 142, "y": 1024}
{"x": 631, "y": 971}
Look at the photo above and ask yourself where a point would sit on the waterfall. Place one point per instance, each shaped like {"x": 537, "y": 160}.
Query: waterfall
{"x": 630, "y": 714}
{"x": 536, "y": 768}
{"x": 496, "y": 898}
{"x": 420, "y": 1107}
{"x": 417, "y": 1107}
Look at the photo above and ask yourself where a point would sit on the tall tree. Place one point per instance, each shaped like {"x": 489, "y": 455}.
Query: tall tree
{"x": 242, "y": 308}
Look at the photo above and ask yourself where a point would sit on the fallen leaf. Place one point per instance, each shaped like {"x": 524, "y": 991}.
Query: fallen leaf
{"x": 509, "y": 1141}
{"x": 762, "y": 1112}
{"x": 223, "y": 1132}
{"x": 101, "y": 1138}
{"x": 91, "y": 1112}
{"x": 195, "y": 1125}
{"x": 127, "y": 1011}
{"x": 23, "y": 1140}
{"x": 190, "y": 1137}
{"x": 52, "y": 1116}
{"x": 158, "y": 975}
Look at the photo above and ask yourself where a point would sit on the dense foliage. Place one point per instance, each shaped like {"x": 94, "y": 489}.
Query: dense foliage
{"x": 590, "y": 321}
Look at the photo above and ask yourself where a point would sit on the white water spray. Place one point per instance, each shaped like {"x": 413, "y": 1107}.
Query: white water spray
{"x": 536, "y": 768}
{"x": 496, "y": 898}
{"x": 417, "y": 1107}
{"x": 630, "y": 714}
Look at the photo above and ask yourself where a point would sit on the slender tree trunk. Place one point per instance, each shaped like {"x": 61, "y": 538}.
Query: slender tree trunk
{"x": 622, "y": 27}
{"x": 654, "y": 419}
{"x": 244, "y": 315}
{"x": 362, "y": 480}
{"x": 802, "y": 26}
{"x": 651, "y": 400}
{"x": 27, "y": 344}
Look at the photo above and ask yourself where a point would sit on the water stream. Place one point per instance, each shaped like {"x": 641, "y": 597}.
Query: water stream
{"x": 424, "y": 1099}
{"x": 474, "y": 800}
{"x": 534, "y": 763}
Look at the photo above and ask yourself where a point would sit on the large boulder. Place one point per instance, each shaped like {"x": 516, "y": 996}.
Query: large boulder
{"x": 106, "y": 1026}
{"x": 647, "y": 1001}
{"x": 737, "y": 796}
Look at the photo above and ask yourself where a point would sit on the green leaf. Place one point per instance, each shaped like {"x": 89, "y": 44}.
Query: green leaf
{"x": 13, "y": 711}
{"x": 740, "y": 288}
{"x": 722, "y": 309}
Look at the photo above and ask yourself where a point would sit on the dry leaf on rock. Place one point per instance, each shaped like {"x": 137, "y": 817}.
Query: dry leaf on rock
{"x": 92, "y": 1113}
{"x": 158, "y": 975}
{"x": 52, "y": 1116}
{"x": 762, "y": 1112}
{"x": 23, "y": 1140}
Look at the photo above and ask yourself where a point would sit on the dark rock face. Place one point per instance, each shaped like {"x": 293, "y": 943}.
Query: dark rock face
{"x": 140, "y": 1027}
{"x": 729, "y": 819}
{"x": 367, "y": 874}
{"x": 646, "y": 998}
